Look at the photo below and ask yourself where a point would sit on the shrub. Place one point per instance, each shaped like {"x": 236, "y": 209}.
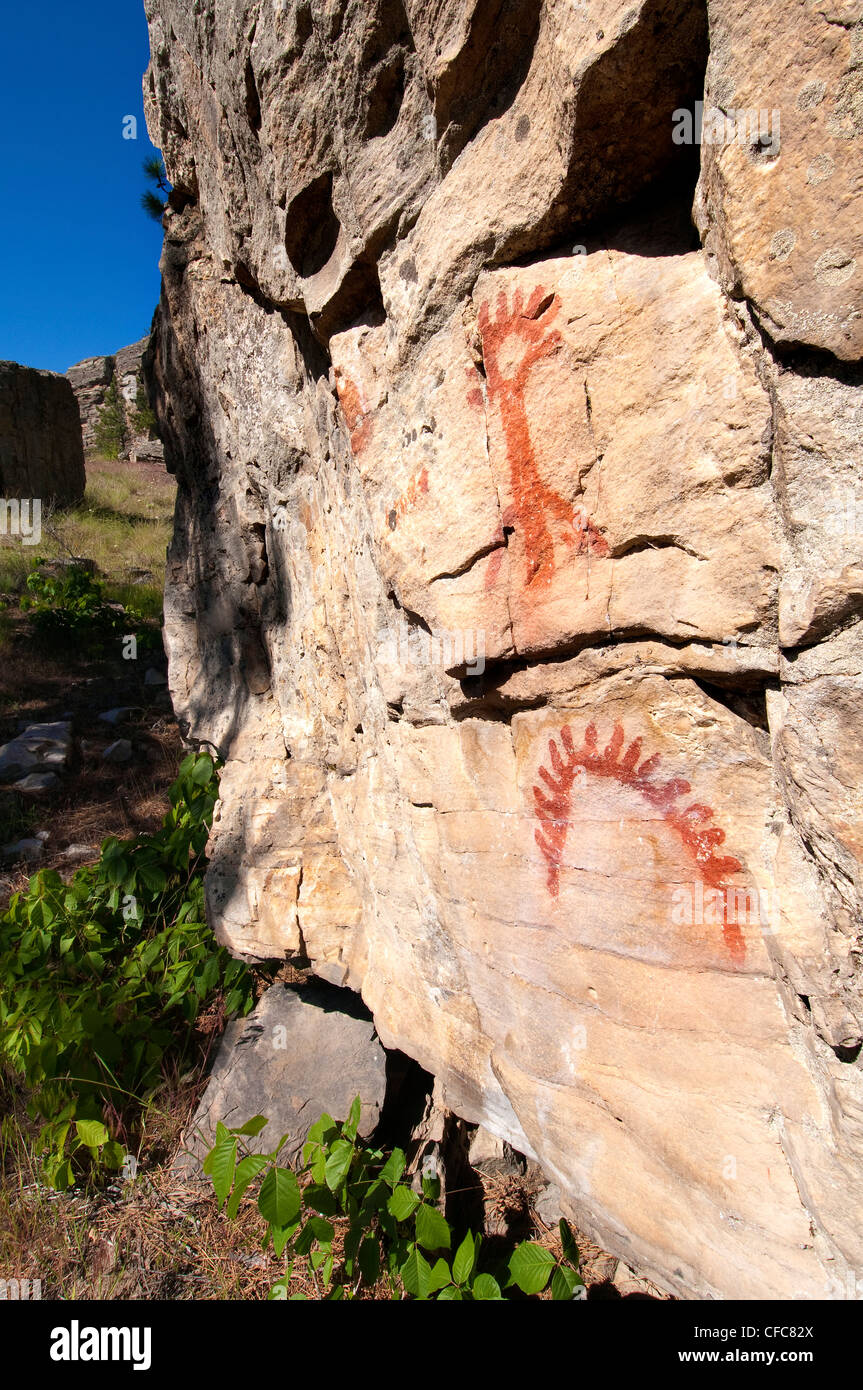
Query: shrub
{"x": 144, "y": 418}
{"x": 386, "y": 1230}
{"x": 106, "y": 974}
{"x": 69, "y": 608}
{"x": 153, "y": 203}
{"x": 109, "y": 432}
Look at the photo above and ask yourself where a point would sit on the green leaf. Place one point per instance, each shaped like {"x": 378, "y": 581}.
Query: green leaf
{"x": 92, "y": 1133}
{"x": 352, "y": 1123}
{"x": 254, "y": 1126}
{"x": 416, "y": 1274}
{"x": 403, "y": 1203}
{"x": 433, "y": 1231}
{"x": 567, "y": 1241}
{"x": 353, "y": 1239}
{"x": 305, "y": 1240}
{"x": 431, "y": 1189}
{"x": 318, "y": 1198}
{"x": 318, "y": 1165}
{"x": 369, "y": 1259}
{"x": 279, "y": 1199}
{"x": 376, "y": 1197}
{"x": 321, "y": 1129}
{"x": 486, "y": 1289}
{"x": 202, "y": 771}
{"x": 450, "y": 1295}
{"x": 113, "y": 1155}
{"x": 322, "y": 1230}
{"x": 462, "y": 1265}
{"x": 529, "y": 1267}
{"x": 440, "y": 1276}
{"x": 393, "y": 1168}
{"x": 281, "y": 1235}
{"x": 153, "y": 877}
{"x": 224, "y": 1157}
{"x": 338, "y": 1163}
{"x": 564, "y": 1282}
{"x": 248, "y": 1169}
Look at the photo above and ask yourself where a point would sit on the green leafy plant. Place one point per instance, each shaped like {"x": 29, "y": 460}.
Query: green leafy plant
{"x": 69, "y": 607}
{"x": 105, "y": 975}
{"x": 144, "y": 418}
{"x": 110, "y": 432}
{"x": 351, "y": 1215}
{"x": 152, "y": 204}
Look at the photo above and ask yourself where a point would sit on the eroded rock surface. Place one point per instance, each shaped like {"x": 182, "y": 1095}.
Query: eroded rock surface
{"x": 517, "y": 576}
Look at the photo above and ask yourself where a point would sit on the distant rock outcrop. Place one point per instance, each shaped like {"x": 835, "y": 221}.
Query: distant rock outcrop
{"x": 90, "y": 381}
{"x": 41, "y": 455}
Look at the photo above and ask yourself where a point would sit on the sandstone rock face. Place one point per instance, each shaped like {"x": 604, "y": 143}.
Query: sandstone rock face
{"x": 779, "y": 195}
{"x": 517, "y": 576}
{"x": 90, "y": 380}
{"x": 41, "y": 455}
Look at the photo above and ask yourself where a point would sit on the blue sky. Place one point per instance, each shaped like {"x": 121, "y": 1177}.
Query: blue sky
{"x": 79, "y": 255}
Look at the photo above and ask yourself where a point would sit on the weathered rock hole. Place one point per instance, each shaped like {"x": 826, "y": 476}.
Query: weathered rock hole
{"x": 386, "y": 96}
{"x": 408, "y": 1087}
{"x": 358, "y": 300}
{"x": 660, "y": 64}
{"x": 253, "y": 100}
{"x": 765, "y": 149}
{"x": 312, "y": 227}
{"x": 749, "y": 705}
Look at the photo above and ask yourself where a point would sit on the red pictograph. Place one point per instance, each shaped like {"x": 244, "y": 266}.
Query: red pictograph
{"x": 513, "y": 342}
{"x": 358, "y": 420}
{"x": 692, "y": 824}
{"x": 418, "y": 484}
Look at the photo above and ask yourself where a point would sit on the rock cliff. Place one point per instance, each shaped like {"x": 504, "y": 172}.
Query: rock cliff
{"x": 90, "y": 380}
{"x": 41, "y": 455}
{"x": 508, "y": 358}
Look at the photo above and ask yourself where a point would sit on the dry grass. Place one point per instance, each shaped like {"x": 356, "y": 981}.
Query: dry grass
{"x": 148, "y": 1237}
{"x": 123, "y": 524}
{"x": 161, "y": 1236}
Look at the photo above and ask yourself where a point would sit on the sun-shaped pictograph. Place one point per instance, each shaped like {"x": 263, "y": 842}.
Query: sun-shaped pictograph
{"x": 692, "y": 824}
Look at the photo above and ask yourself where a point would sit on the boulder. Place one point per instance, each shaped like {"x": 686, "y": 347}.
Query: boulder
{"x": 41, "y": 453}
{"x": 778, "y": 198}
{"x": 40, "y": 748}
{"x": 120, "y": 751}
{"x": 89, "y": 380}
{"x": 28, "y": 851}
{"x": 299, "y": 1054}
{"x": 37, "y": 783}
